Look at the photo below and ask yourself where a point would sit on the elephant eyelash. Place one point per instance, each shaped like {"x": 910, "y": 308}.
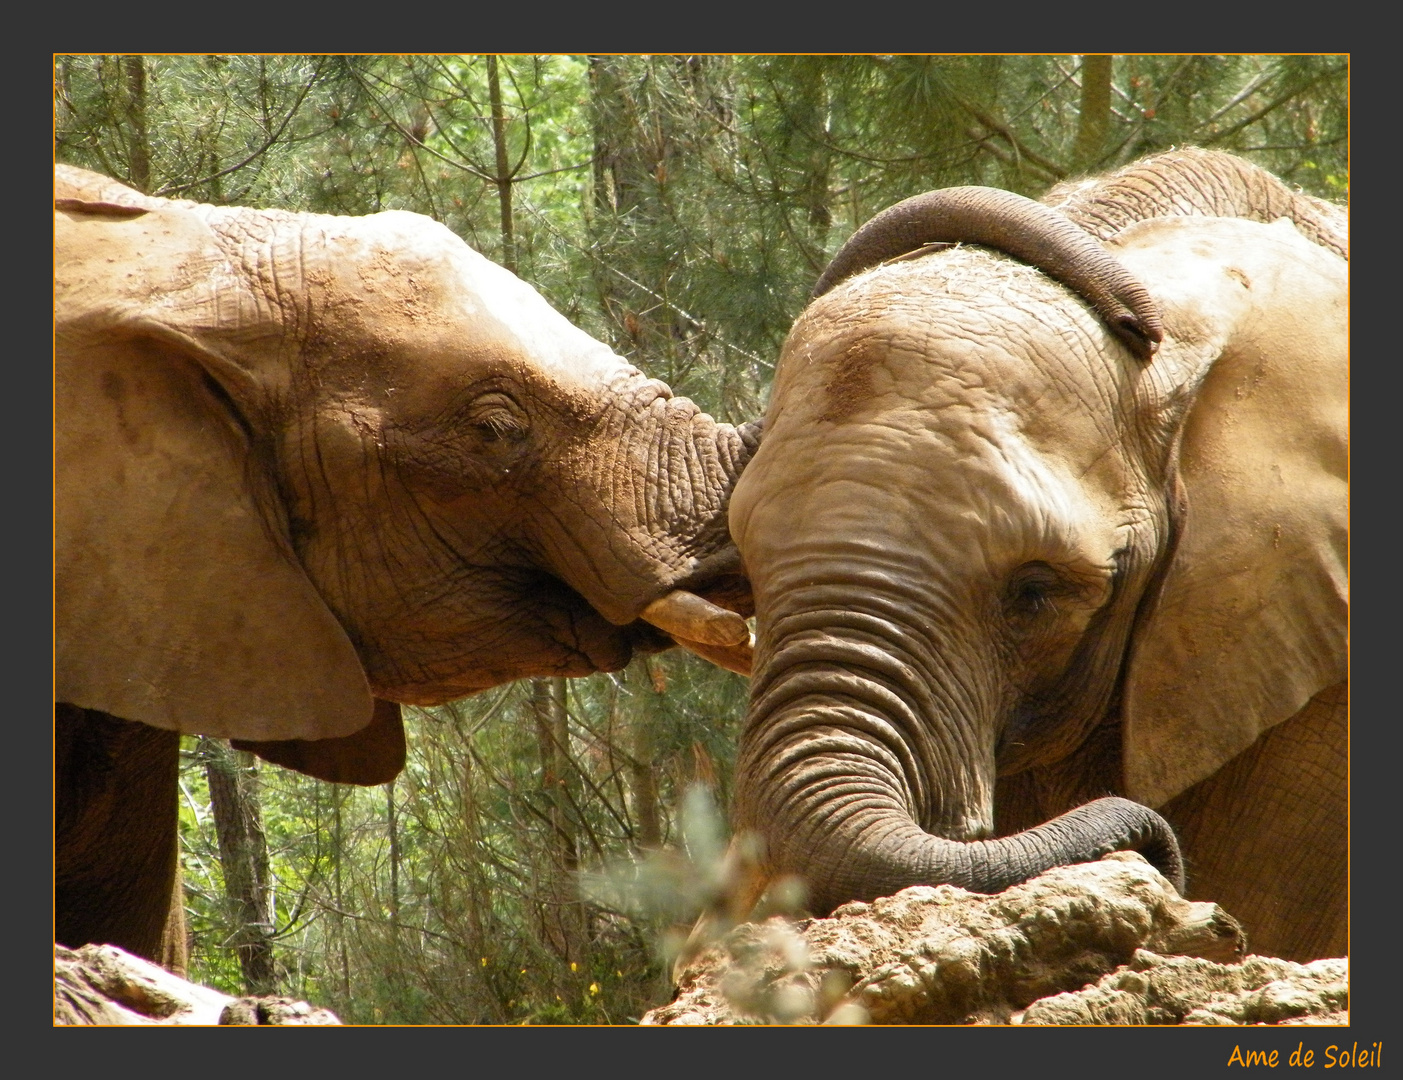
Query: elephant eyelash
{"x": 1029, "y": 601}
{"x": 1033, "y": 590}
{"x": 499, "y": 424}
{"x": 497, "y": 416}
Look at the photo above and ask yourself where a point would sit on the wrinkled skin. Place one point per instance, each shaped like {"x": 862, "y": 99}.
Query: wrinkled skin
{"x": 1003, "y": 567}
{"x": 311, "y": 467}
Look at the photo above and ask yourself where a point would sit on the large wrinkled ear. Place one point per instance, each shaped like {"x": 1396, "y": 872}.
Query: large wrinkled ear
{"x": 1252, "y": 618}
{"x": 373, "y": 755}
{"x": 178, "y": 599}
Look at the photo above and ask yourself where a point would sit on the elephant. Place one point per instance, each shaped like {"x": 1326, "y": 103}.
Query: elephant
{"x": 1048, "y": 542}
{"x": 309, "y": 468}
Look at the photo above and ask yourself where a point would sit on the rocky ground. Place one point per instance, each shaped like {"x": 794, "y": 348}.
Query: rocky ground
{"x": 102, "y": 984}
{"x": 1099, "y": 943}
{"x": 1109, "y": 942}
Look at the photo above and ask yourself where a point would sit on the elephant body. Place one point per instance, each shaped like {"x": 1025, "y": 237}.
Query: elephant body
{"x": 312, "y": 467}
{"x": 1020, "y": 574}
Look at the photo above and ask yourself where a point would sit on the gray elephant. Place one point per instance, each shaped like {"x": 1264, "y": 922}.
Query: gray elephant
{"x": 310, "y": 467}
{"x": 1029, "y": 542}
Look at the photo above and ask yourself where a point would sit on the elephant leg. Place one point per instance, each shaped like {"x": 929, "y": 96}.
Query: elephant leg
{"x": 115, "y": 831}
{"x": 1267, "y": 836}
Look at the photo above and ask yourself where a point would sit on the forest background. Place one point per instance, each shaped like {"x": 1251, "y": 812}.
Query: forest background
{"x": 548, "y": 841}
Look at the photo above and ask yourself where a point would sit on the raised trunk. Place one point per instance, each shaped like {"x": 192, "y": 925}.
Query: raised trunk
{"x": 671, "y": 469}
{"x": 861, "y": 775}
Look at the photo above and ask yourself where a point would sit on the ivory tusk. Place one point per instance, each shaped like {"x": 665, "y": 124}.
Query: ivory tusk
{"x": 687, "y": 615}
{"x": 737, "y": 658}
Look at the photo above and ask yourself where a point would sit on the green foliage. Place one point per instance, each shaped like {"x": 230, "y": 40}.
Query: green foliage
{"x": 680, "y": 209}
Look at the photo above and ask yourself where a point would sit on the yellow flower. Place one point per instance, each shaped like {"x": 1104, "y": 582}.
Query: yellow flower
{"x": 484, "y": 961}
{"x": 594, "y": 988}
{"x": 573, "y": 967}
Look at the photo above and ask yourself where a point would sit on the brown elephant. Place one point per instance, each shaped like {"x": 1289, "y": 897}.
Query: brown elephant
{"x": 311, "y": 467}
{"x": 1029, "y": 542}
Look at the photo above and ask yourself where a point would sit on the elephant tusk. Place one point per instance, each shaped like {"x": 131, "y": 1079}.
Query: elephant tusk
{"x": 686, "y": 615}
{"x": 738, "y": 658}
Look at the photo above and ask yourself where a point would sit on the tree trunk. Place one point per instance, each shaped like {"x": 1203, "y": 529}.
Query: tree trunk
{"x": 394, "y": 850}
{"x": 620, "y": 170}
{"x": 133, "y": 69}
{"x": 562, "y": 915}
{"x": 504, "y": 176}
{"x": 643, "y": 133}
{"x": 644, "y": 782}
{"x": 811, "y": 113}
{"x": 338, "y": 848}
{"x": 243, "y": 852}
{"x": 175, "y": 947}
{"x": 1095, "y": 118}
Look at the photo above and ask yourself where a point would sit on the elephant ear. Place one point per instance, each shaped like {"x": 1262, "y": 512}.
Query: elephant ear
{"x": 178, "y": 600}
{"x": 1251, "y": 619}
{"x": 373, "y": 755}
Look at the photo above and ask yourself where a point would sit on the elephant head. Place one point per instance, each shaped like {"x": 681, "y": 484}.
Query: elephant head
{"x": 993, "y": 533}
{"x": 305, "y": 462}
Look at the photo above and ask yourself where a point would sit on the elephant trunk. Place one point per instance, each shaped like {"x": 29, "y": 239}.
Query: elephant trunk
{"x": 839, "y": 770}
{"x": 846, "y": 847}
{"x": 691, "y": 464}
{"x": 648, "y": 516}
{"x": 1019, "y": 227}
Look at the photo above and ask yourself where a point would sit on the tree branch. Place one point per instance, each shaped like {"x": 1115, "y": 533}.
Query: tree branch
{"x": 296, "y": 105}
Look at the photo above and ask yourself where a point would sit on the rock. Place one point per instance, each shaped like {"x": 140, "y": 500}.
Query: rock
{"x": 1155, "y": 989}
{"x": 941, "y": 955}
{"x": 276, "y": 1011}
{"x": 102, "y": 984}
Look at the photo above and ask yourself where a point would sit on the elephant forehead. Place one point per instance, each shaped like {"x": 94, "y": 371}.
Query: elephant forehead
{"x": 981, "y": 329}
{"x": 422, "y": 281}
{"x": 973, "y": 483}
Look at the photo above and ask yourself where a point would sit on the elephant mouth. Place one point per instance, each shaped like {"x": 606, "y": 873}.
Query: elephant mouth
{"x": 707, "y": 618}
{"x": 556, "y": 632}
{"x": 706, "y": 614}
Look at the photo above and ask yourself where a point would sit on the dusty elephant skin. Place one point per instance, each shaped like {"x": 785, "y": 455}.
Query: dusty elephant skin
{"x": 1017, "y": 582}
{"x": 312, "y": 467}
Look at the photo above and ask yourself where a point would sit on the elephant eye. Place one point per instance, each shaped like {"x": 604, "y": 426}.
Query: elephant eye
{"x": 497, "y": 416}
{"x": 1032, "y": 590}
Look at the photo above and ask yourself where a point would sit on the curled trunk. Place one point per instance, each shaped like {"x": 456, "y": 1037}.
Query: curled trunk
{"x": 838, "y": 774}
{"x": 1019, "y": 227}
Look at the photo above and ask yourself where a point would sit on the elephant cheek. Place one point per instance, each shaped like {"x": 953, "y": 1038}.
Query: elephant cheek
{"x": 567, "y": 638}
{"x": 589, "y": 642}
